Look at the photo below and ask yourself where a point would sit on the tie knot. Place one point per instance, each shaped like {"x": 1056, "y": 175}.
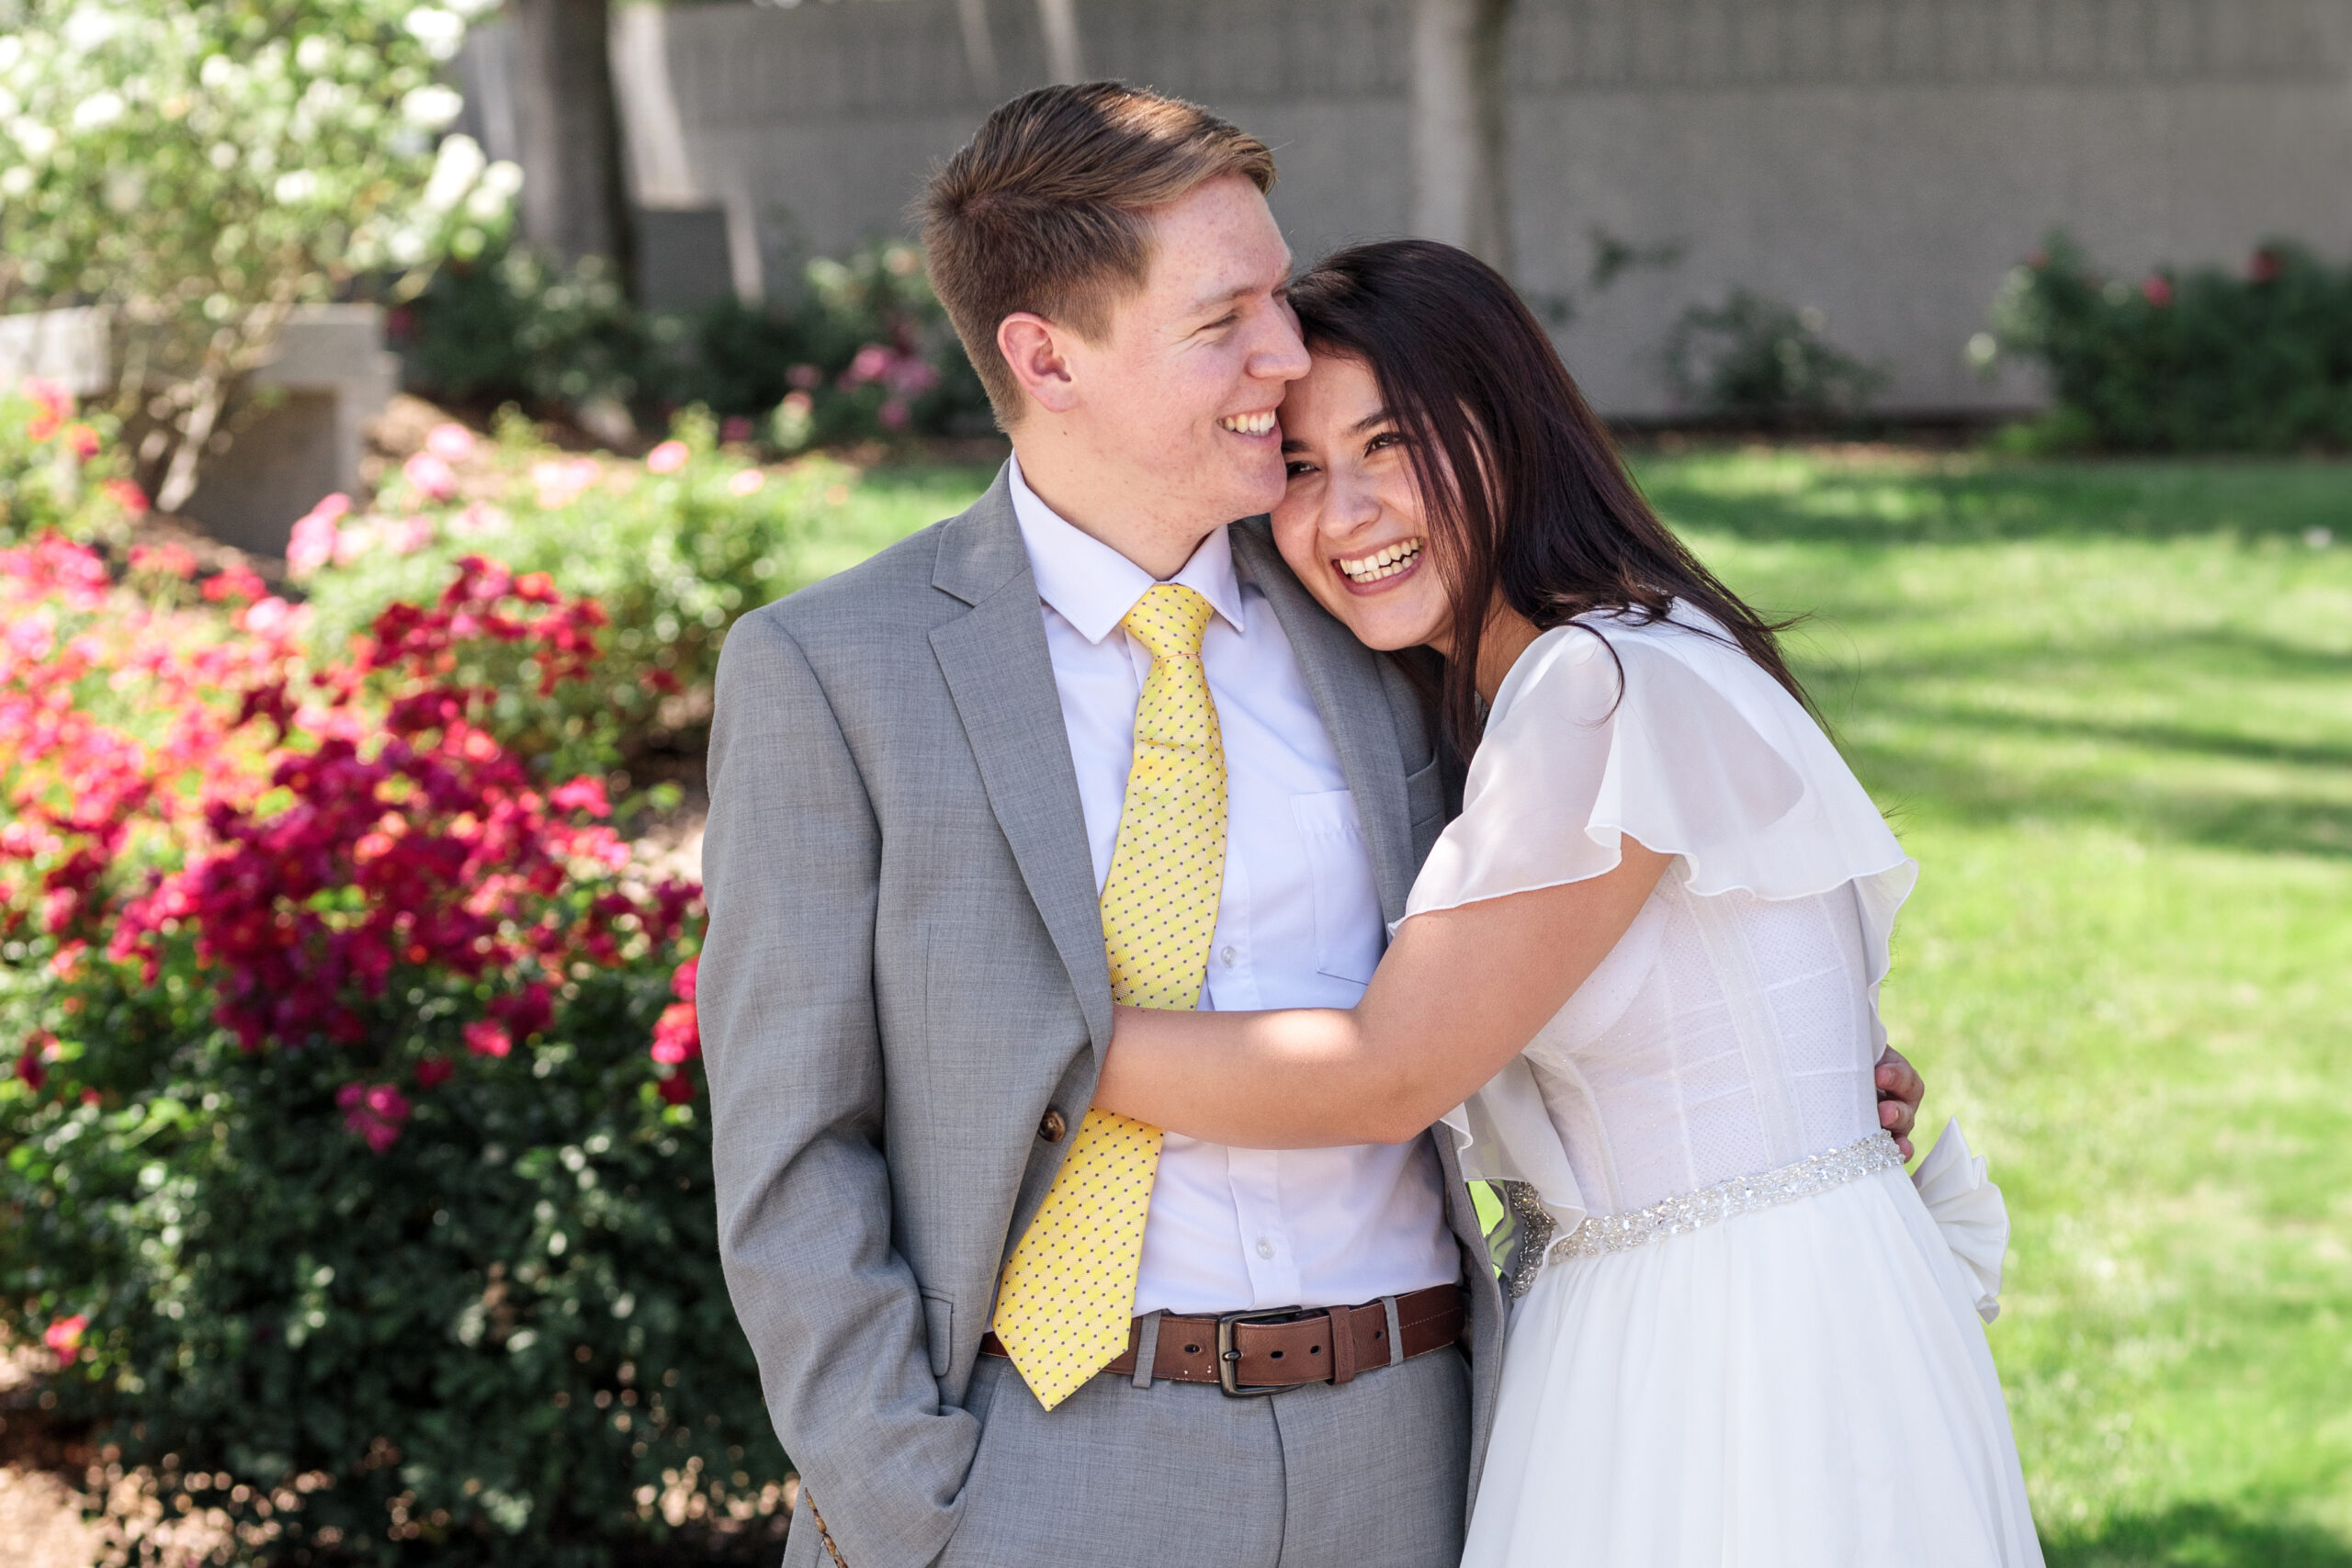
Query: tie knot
{"x": 1169, "y": 620}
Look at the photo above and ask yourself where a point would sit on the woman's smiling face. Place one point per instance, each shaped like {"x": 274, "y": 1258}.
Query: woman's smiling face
{"x": 1351, "y": 520}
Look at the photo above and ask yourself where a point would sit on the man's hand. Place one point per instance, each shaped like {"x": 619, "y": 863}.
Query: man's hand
{"x": 1900, "y": 1089}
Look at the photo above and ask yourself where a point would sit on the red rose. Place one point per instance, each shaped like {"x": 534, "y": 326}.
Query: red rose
{"x": 485, "y": 1038}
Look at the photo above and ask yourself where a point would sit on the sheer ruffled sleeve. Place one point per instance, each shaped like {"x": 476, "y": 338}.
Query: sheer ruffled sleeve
{"x": 1606, "y": 728}
{"x": 1610, "y": 728}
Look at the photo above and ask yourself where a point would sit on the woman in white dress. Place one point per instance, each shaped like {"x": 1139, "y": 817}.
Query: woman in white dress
{"x": 1637, "y": 976}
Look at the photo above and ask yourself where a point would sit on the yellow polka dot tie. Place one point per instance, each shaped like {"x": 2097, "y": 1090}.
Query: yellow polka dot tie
{"x": 1069, "y": 1291}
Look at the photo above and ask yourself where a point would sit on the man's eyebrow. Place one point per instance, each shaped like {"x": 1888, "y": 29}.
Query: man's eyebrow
{"x": 1226, "y": 296}
{"x": 1210, "y": 301}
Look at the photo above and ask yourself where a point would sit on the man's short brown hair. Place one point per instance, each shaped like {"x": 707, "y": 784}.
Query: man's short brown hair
{"x": 1048, "y": 209}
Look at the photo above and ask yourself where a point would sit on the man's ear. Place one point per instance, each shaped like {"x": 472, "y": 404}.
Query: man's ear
{"x": 1036, "y": 349}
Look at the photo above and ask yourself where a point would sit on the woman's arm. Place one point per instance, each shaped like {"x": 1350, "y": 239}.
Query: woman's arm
{"x": 1460, "y": 992}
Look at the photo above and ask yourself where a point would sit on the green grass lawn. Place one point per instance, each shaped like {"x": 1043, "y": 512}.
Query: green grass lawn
{"x": 2109, "y": 708}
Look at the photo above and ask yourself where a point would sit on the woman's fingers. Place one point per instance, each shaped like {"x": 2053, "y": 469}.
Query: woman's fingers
{"x": 1900, "y": 1089}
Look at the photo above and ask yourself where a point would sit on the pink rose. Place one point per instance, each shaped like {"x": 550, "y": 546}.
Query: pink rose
{"x": 450, "y": 442}
{"x": 667, "y": 458}
{"x": 375, "y": 1111}
{"x": 314, "y": 537}
{"x": 65, "y": 1336}
{"x": 407, "y": 535}
{"x": 431, "y": 474}
{"x": 559, "y": 482}
{"x": 871, "y": 364}
{"x": 584, "y": 794}
{"x": 748, "y": 482}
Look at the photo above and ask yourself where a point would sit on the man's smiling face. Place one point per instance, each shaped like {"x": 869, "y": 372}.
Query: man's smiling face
{"x": 1182, "y": 389}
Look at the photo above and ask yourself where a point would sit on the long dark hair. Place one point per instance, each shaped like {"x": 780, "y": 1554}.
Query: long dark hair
{"x": 1523, "y": 490}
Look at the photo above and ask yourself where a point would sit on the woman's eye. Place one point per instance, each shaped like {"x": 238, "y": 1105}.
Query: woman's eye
{"x": 1385, "y": 438}
{"x": 1296, "y": 467}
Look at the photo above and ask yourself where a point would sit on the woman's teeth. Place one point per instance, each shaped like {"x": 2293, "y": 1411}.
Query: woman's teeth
{"x": 1382, "y": 563}
{"x": 1250, "y": 423}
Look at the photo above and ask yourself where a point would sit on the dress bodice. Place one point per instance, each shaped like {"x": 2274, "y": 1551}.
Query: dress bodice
{"x": 1733, "y": 1029}
{"x": 1723, "y": 1036}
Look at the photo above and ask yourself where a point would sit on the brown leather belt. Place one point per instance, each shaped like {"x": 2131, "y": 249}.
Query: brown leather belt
{"x": 1264, "y": 1352}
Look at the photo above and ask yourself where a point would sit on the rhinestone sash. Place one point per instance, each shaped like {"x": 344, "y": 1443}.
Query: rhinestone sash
{"x": 1604, "y": 1233}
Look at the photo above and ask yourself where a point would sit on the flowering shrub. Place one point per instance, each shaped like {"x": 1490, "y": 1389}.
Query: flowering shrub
{"x": 2256, "y": 360}
{"x": 59, "y": 470}
{"x": 673, "y": 551}
{"x": 351, "y": 1153}
{"x": 862, "y": 351}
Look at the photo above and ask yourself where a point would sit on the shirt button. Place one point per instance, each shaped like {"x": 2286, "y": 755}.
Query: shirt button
{"x": 1228, "y": 955}
{"x": 1265, "y": 1248}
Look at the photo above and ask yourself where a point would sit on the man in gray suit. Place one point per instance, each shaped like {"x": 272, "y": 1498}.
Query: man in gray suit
{"x": 917, "y": 776}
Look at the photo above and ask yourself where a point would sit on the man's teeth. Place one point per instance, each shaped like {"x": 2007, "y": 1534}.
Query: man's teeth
{"x": 1250, "y": 423}
{"x": 1382, "y": 563}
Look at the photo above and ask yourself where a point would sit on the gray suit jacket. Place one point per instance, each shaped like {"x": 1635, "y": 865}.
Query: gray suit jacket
{"x": 905, "y": 969}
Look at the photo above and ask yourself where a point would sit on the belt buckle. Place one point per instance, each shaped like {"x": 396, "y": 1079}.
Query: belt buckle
{"x": 1229, "y": 1358}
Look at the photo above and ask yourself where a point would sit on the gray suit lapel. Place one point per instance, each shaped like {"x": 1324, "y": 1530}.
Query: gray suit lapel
{"x": 1344, "y": 677}
{"x": 1001, "y": 678}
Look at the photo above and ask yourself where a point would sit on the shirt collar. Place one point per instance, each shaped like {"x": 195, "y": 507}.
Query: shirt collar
{"x": 1092, "y": 586}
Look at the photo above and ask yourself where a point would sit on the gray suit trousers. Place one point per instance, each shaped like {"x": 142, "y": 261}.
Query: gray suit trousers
{"x": 1177, "y": 1475}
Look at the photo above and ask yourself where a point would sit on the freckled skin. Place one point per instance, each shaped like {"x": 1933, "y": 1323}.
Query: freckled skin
{"x": 1125, "y": 435}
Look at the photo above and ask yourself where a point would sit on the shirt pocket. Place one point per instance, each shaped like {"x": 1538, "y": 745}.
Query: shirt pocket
{"x": 1348, "y": 929}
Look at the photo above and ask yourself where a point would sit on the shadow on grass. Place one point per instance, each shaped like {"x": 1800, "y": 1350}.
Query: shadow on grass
{"x": 1975, "y": 501}
{"x": 2152, "y": 774}
{"x": 1910, "y": 786}
{"x": 2199, "y": 1535}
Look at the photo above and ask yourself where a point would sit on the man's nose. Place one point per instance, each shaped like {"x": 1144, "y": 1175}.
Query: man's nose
{"x": 1281, "y": 354}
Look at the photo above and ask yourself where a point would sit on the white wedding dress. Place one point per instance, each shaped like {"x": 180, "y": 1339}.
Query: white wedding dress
{"x": 1746, "y": 1339}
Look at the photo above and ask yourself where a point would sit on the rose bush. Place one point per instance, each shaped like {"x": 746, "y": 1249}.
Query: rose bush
{"x": 59, "y": 472}
{"x": 673, "y": 549}
{"x": 351, "y": 1163}
{"x": 2209, "y": 360}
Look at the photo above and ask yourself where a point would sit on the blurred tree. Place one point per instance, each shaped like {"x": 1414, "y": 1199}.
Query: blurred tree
{"x": 198, "y": 170}
{"x": 1460, "y": 104}
{"x": 575, "y": 202}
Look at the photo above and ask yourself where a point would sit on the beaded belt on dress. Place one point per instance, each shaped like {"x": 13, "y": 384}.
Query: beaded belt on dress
{"x": 1743, "y": 1194}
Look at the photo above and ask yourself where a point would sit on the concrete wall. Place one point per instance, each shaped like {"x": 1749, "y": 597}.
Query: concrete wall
{"x": 1885, "y": 160}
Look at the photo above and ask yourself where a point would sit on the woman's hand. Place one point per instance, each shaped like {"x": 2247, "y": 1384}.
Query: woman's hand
{"x": 1460, "y": 993}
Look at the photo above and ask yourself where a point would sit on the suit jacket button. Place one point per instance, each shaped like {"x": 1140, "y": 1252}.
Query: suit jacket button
{"x": 1054, "y": 1124}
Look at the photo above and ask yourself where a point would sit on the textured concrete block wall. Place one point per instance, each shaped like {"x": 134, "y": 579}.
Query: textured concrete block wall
{"x": 1884, "y": 160}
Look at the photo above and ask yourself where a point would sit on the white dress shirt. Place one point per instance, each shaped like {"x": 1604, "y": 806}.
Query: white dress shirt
{"x": 1297, "y": 925}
